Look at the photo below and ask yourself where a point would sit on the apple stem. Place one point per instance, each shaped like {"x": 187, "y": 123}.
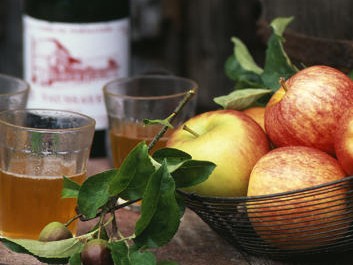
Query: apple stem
{"x": 188, "y": 129}
{"x": 282, "y": 81}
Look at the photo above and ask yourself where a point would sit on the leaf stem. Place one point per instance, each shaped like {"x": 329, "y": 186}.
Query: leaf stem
{"x": 164, "y": 129}
{"x": 78, "y": 216}
{"x": 115, "y": 230}
{"x": 111, "y": 209}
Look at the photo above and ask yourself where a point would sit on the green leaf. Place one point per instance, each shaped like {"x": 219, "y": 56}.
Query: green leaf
{"x": 241, "y": 99}
{"x": 174, "y": 157}
{"x": 50, "y": 252}
{"x": 145, "y": 258}
{"x": 160, "y": 212}
{"x": 71, "y": 188}
{"x": 242, "y": 78}
{"x": 120, "y": 253}
{"x": 280, "y": 24}
{"x": 192, "y": 172}
{"x": 181, "y": 203}
{"x": 75, "y": 259}
{"x": 94, "y": 192}
{"x": 277, "y": 62}
{"x": 133, "y": 174}
{"x": 164, "y": 122}
{"x": 244, "y": 57}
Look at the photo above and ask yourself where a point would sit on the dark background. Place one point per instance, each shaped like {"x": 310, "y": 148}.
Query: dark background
{"x": 187, "y": 38}
{"x": 191, "y": 38}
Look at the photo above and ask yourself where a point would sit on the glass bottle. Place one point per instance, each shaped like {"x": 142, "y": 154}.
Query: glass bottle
{"x": 71, "y": 49}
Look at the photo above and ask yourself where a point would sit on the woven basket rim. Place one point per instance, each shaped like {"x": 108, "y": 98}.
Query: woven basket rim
{"x": 263, "y": 197}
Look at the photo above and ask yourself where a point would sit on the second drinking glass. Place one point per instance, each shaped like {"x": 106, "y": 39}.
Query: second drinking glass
{"x": 131, "y": 100}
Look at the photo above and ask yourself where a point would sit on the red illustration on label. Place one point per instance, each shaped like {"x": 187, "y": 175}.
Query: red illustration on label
{"x": 52, "y": 62}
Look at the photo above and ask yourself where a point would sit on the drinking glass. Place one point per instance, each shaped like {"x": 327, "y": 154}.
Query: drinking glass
{"x": 131, "y": 100}
{"x": 37, "y": 148}
{"x": 13, "y": 92}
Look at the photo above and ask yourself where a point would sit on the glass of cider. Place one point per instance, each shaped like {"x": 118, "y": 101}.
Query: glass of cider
{"x": 37, "y": 148}
{"x": 131, "y": 100}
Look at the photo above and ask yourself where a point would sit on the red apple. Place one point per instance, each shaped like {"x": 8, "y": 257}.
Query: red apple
{"x": 305, "y": 110}
{"x": 344, "y": 141}
{"x": 228, "y": 138}
{"x": 302, "y": 219}
{"x": 257, "y": 114}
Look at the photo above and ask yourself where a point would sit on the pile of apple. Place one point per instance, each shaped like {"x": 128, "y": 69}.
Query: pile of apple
{"x": 302, "y": 138}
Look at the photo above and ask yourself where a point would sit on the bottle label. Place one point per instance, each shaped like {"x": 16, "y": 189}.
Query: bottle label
{"x": 68, "y": 64}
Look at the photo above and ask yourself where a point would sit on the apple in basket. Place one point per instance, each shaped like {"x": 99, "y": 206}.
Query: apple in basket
{"x": 344, "y": 141}
{"x": 228, "y": 138}
{"x": 299, "y": 220}
{"x": 257, "y": 114}
{"x": 305, "y": 110}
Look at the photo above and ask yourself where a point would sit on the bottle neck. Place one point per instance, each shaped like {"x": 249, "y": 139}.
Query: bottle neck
{"x": 80, "y": 11}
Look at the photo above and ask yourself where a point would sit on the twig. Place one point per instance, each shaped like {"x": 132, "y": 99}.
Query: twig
{"x": 164, "y": 129}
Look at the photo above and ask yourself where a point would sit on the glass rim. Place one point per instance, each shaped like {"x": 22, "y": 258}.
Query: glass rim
{"x": 23, "y": 88}
{"x": 193, "y": 86}
{"x": 90, "y": 121}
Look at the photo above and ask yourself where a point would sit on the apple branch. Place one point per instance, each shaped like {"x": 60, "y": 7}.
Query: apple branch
{"x": 180, "y": 106}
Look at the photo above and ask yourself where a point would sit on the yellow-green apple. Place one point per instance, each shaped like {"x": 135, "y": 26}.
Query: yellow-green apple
{"x": 257, "y": 114}
{"x": 305, "y": 110}
{"x": 344, "y": 141}
{"x": 228, "y": 138}
{"x": 300, "y": 219}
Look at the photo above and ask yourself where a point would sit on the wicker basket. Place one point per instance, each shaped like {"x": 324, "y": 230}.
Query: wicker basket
{"x": 307, "y": 223}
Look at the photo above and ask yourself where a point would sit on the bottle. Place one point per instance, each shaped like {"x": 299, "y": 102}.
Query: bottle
{"x": 71, "y": 49}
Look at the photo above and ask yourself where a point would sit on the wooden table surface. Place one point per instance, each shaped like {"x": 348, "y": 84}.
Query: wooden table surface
{"x": 194, "y": 244}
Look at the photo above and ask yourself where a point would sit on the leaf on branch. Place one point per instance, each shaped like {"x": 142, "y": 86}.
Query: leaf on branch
{"x": 94, "y": 193}
{"x": 244, "y": 57}
{"x": 174, "y": 157}
{"x": 164, "y": 122}
{"x": 120, "y": 253}
{"x": 123, "y": 255}
{"x": 160, "y": 212}
{"x": 133, "y": 175}
{"x": 75, "y": 259}
{"x": 53, "y": 252}
{"x": 70, "y": 189}
{"x": 192, "y": 172}
{"x": 143, "y": 257}
{"x": 237, "y": 72}
{"x": 242, "y": 98}
{"x": 277, "y": 62}
{"x": 242, "y": 69}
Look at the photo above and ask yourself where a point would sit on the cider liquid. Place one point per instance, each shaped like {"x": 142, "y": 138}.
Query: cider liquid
{"x": 27, "y": 204}
{"x": 125, "y": 139}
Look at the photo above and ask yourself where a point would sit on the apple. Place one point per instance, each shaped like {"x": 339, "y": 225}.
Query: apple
{"x": 344, "y": 141}
{"x": 228, "y": 138}
{"x": 257, "y": 114}
{"x": 305, "y": 110}
{"x": 298, "y": 220}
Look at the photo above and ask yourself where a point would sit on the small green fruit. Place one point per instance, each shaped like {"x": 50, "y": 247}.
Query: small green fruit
{"x": 96, "y": 252}
{"x": 54, "y": 231}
